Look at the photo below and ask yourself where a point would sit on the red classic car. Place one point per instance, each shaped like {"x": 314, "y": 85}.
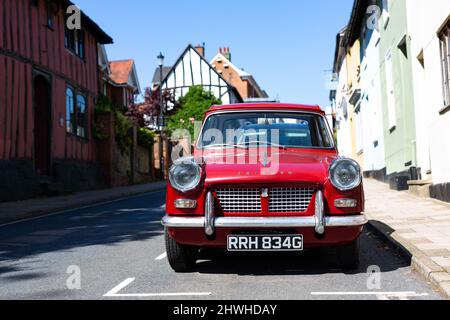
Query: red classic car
{"x": 264, "y": 177}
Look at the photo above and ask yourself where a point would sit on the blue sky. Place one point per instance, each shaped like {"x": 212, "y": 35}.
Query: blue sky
{"x": 287, "y": 44}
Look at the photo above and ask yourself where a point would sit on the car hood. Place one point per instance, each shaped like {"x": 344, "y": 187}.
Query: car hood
{"x": 286, "y": 166}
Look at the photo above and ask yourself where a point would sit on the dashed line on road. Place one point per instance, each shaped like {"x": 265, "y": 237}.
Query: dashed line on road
{"x": 401, "y": 295}
{"x": 161, "y": 256}
{"x": 114, "y": 292}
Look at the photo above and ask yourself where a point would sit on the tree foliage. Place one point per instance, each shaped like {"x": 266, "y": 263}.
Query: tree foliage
{"x": 146, "y": 138}
{"x": 192, "y": 107}
{"x": 146, "y": 114}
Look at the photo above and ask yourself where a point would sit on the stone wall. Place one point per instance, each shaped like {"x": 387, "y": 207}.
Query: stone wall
{"x": 123, "y": 167}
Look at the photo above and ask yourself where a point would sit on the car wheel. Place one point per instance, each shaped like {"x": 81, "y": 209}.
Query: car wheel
{"x": 348, "y": 255}
{"x": 181, "y": 258}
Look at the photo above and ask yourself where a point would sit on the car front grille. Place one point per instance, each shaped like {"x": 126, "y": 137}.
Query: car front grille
{"x": 290, "y": 199}
{"x": 239, "y": 200}
{"x": 248, "y": 200}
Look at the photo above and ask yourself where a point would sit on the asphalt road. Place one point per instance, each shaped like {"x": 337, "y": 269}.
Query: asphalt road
{"x": 118, "y": 250}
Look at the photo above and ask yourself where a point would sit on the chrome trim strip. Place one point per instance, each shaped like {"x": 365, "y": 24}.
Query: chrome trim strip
{"x": 209, "y": 214}
{"x": 275, "y": 110}
{"x": 263, "y": 222}
{"x": 319, "y": 215}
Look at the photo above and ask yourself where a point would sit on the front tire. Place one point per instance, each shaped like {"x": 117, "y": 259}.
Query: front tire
{"x": 348, "y": 255}
{"x": 181, "y": 258}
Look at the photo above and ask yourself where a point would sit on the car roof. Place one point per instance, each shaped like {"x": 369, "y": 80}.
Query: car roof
{"x": 266, "y": 106}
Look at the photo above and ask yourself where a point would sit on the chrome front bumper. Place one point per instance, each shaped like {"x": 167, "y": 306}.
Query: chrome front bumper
{"x": 263, "y": 222}
{"x": 319, "y": 221}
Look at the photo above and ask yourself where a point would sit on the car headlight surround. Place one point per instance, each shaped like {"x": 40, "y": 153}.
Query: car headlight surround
{"x": 345, "y": 174}
{"x": 185, "y": 174}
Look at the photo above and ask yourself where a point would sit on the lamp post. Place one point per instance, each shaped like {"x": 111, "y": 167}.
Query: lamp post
{"x": 161, "y": 115}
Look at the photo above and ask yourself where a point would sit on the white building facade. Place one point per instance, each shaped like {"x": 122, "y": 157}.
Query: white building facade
{"x": 371, "y": 108}
{"x": 191, "y": 69}
{"x": 343, "y": 119}
{"x": 429, "y": 29}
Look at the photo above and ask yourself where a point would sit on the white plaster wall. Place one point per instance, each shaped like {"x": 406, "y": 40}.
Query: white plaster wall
{"x": 433, "y": 130}
{"x": 344, "y": 132}
{"x": 371, "y": 108}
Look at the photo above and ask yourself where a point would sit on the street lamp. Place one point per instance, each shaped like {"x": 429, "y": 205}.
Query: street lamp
{"x": 161, "y": 114}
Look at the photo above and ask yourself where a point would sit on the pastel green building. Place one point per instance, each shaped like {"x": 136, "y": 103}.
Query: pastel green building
{"x": 397, "y": 93}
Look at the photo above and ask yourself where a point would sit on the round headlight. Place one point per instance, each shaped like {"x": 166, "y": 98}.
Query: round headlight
{"x": 345, "y": 174}
{"x": 185, "y": 175}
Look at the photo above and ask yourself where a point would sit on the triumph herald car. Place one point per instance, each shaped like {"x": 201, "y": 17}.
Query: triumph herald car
{"x": 264, "y": 177}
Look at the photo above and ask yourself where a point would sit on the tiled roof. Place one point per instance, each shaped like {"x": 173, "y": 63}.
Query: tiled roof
{"x": 101, "y": 35}
{"x": 157, "y": 75}
{"x": 121, "y": 70}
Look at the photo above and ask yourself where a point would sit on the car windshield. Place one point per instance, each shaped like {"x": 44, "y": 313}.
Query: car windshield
{"x": 290, "y": 130}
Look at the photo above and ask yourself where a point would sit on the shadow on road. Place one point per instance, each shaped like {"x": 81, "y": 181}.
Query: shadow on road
{"x": 374, "y": 252}
{"x": 138, "y": 219}
{"x": 111, "y": 224}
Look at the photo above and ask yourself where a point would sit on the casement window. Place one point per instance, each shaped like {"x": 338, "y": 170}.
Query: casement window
{"x": 444, "y": 38}
{"x": 49, "y": 8}
{"x": 74, "y": 41}
{"x": 70, "y": 111}
{"x": 392, "y": 115}
{"x": 359, "y": 129}
{"x": 76, "y": 113}
{"x": 81, "y": 116}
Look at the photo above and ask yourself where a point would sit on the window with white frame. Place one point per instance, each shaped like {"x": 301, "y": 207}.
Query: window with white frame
{"x": 76, "y": 113}
{"x": 81, "y": 116}
{"x": 359, "y": 130}
{"x": 70, "y": 111}
{"x": 390, "y": 92}
{"x": 444, "y": 38}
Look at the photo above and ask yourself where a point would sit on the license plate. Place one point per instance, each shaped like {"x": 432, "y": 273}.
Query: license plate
{"x": 265, "y": 243}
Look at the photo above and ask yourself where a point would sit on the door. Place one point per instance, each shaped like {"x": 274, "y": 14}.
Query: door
{"x": 42, "y": 120}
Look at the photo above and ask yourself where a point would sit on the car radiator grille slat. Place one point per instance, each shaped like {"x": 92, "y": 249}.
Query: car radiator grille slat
{"x": 281, "y": 200}
{"x": 239, "y": 200}
{"x": 290, "y": 199}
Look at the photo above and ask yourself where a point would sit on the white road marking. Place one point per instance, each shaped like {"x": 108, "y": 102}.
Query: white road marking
{"x": 162, "y": 256}
{"x": 120, "y": 286}
{"x": 401, "y": 295}
{"x": 114, "y": 292}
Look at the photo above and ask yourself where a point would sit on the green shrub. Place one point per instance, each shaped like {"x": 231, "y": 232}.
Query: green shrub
{"x": 146, "y": 138}
{"x": 192, "y": 106}
{"x": 122, "y": 126}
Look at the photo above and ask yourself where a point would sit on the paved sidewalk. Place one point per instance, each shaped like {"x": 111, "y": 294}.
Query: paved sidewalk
{"x": 419, "y": 225}
{"x": 14, "y": 211}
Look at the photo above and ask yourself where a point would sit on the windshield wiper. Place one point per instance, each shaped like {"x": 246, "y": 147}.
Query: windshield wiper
{"x": 224, "y": 145}
{"x": 247, "y": 144}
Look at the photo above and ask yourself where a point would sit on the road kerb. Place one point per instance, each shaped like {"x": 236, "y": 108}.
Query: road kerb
{"x": 420, "y": 263}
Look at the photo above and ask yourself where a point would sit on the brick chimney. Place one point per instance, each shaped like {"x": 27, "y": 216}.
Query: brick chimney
{"x": 200, "y": 49}
{"x": 225, "y": 52}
